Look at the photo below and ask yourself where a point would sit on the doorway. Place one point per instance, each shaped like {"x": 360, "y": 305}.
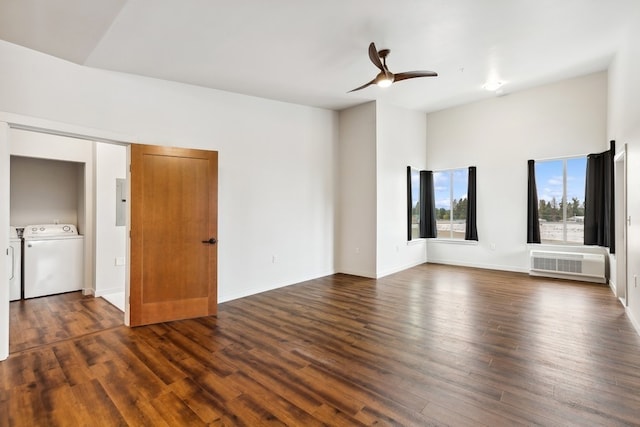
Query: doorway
{"x": 86, "y": 219}
{"x": 67, "y": 165}
{"x": 55, "y": 182}
{"x": 621, "y": 223}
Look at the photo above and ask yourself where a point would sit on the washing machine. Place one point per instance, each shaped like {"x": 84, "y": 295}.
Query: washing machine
{"x": 15, "y": 267}
{"x": 53, "y": 259}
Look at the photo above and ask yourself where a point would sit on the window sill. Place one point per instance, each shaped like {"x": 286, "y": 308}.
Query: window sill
{"x": 416, "y": 241}
{"x": 558, "y": 245}
{"x": 455, "y": 241}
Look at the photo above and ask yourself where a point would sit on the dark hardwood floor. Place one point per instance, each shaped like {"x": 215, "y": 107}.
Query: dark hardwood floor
{"x": 47, "y": 320}
{"x": 433, "y": 345}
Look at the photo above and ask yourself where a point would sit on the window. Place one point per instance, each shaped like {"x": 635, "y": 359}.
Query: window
{"x": 561, "y": 194}
{"x": 450, "y": 187}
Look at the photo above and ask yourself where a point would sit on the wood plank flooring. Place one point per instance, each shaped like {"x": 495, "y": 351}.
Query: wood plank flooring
{"x": 40, "y": 321}
{"x": 433, "y": 345}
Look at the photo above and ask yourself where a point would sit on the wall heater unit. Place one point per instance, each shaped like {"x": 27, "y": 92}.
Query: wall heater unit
{"x": 568, "y": 265}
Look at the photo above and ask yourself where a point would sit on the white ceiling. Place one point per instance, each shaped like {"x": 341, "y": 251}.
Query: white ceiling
{"x": 313, "y": 52}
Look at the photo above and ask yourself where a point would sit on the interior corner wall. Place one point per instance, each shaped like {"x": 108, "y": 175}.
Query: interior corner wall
{"x": 110, "y": 244}
{"x": 356, "y": 219}
{"x": 624, "y": 128}
{"x": 401, "y": 142}
{"x": 377, "y": 143}
{"x": 498, "y": 136}
{"x": 4, "y": 237}
{"x": 276, "y": 159}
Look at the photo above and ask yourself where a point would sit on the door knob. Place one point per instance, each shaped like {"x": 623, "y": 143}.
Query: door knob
{"x": 211, "y": 241}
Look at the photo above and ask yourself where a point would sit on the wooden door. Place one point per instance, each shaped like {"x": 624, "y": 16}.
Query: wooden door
{"x": 174, "y": 224}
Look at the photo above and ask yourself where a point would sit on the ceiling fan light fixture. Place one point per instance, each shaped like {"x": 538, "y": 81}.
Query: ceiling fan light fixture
{"x": 384, "y": 82}
{"x": 384, "y": 79}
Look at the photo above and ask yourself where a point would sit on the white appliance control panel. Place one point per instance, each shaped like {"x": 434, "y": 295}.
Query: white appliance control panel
{"x": 50, "y": 230}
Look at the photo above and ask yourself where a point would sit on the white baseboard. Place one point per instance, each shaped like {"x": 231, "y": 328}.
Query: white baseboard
{"x": 477, "y": 265}
{"x": 102, "y": 292}
{"x": 398, "y": 269}
{"x": 226, "y": 298}
{"x": 634, "y": 322}
{"x": 359, "y": 273}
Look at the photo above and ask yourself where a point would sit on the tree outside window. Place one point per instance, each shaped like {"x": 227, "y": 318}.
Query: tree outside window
{"x": 561, "y": 194}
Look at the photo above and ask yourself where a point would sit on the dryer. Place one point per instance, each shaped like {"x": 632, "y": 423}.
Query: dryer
{"x": 15, "y": 269}
{"x": 53, "y": 259}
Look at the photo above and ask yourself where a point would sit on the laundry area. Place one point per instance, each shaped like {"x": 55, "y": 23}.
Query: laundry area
{"x": 67, "y": 215}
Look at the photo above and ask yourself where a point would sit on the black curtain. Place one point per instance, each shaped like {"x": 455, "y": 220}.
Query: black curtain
{"x": 427, "y": 206}
{"x": 533, "y": 220}
{"x": 599, "y": 203}
{"x": 471, "y": 231}
{"x": 409, "y": 206}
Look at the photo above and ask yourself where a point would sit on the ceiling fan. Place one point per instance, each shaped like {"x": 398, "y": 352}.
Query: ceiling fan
{"x": 386, "y": 77}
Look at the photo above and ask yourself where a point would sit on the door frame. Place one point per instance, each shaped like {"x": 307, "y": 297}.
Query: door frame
{"x": 621, "y": 224}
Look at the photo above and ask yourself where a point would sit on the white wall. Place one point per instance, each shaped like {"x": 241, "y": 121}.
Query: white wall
{"x": 624, "y": 127}
{"x": 401, "y": 142}
{"x": 276, "y": 170}
{"x": 498, "y": 136}
{"x": 356, "y": 231}
{"x": 43, "y": 191}
{"x": 110, "y": 243}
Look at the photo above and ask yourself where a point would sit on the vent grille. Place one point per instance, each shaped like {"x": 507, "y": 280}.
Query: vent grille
{"x": 553, "y": 264}
{"x": 565, "y": 264}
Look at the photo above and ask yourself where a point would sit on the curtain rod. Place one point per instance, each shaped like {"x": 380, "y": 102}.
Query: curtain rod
{"x": 575, "y": 156}
{"x": 451, "y": 169}
{"x": 570, "y": 157}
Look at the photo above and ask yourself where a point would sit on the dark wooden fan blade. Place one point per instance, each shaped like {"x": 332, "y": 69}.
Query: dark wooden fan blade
{"x": 363, "y": 86}
{"x": 414, "y": 74}
{"x": 375, "y": 58}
